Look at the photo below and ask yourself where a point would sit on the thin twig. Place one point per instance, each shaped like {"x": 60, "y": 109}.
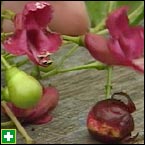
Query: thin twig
{"x": 7, "y": 124}
{"x": 20, "y": 128}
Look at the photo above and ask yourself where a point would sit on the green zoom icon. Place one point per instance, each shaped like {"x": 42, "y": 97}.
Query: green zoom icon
{"x": 8, "y": 136}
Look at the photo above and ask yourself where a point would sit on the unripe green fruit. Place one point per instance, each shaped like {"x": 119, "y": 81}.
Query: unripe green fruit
{"x": 24, "y": 90}
{"x": 5, "y": 94}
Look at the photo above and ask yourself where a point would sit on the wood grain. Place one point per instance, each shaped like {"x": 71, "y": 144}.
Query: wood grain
{"x": 79, "y": 91}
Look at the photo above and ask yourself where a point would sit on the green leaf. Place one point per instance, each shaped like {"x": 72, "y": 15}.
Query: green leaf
{"x": 132, "y": 4}
{"x": 7, "y": 14}
{"x": 136, "y": 9}
{"x": 137, "y": 15}
{"x": 98, "y": 10}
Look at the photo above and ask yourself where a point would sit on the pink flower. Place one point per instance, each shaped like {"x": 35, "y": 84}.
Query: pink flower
{"x": 124, "y": 47}
{"x": 31, "y": 37}
{"x": 40, "y": 113}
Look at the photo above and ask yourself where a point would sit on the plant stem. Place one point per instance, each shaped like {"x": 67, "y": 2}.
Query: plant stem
{"x": 55, "y": 71}
{"x": 48, "y": 68}
{"x": 112, "y": 6}
{"x": 36, "y": 72}
{"x": 78, "y": 40}
{"x": 7, "y": 124}
{"x": 7, "y": 14}
{"x": 108, "y": 85}
{"x": 29, "y": 140}
{"x": 22, "y": 62}
{"x": 94, "y": 65}
{"x": 102, "y": 32}
{"x": 68, "y": 54}
{"x": 75, "y": 39}
{"x": 50, "y": 73}
{"x": 2, "y": 96}
{"x": 9, "y": 56}
{"x": 5, "y": 63}
{"x": 18, "y": 64}
{"x": 5, "y": 35}
{"x": 99, "y": 26}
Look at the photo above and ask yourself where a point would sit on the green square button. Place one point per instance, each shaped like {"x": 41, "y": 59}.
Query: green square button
{"x": 8, "y": 136}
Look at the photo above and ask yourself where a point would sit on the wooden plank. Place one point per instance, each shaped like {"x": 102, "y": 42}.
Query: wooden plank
{"x": 79, "y": 91}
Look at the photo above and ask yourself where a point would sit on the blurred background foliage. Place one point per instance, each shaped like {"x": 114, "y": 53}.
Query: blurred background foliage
{"x": 98, "y": 9}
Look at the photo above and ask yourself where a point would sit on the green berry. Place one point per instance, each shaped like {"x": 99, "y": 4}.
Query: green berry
{"x": 24, "y": 90}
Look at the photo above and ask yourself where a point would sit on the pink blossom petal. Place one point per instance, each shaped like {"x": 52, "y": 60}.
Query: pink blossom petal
{"x": 55, "y": 41}
{"x": 33, "y": 57}
{"x": 19, "y": 21}
{"x": 132, "y": 42}
{"x": 31, "y": 37}
{"x": 117, "y": 22}
{"x": 44, "y": 119}
{"x": 138, "y": 64}
{"x": 41, "y": 12}
{"x": 125, "y": 45}
{"x": 42, "y": 43}
{"x": 19, "y": 112}
{"x": 16, "y": 44}
{"x": 48, "y": 102}
{"x": 97, "y": 46}
{"x": 119, "y": 55}
{"x": 40, "y": 113}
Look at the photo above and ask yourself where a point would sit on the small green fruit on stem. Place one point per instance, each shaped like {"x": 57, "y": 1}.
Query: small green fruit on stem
{"x": 5, "y": 94}
{"x": 22, "y": 90}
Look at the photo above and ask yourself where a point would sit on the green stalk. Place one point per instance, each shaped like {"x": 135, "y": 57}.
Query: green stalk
{"x": 7, "y": 124}
{"x": 68, "y": 54}
{"x": 108, "y": 85}
{"x": 9, "y": 56}
{"x": 78, "y": 40}
{"x": 75, "y": 39}
{"x": 5, "y": 35}
{"x": 94, "y": 65}
{"x": 5, "y": 63}
{"x": 18, "y": 64}
{"x": 102, "y": 32}
{"x": 101, "y": 25}
{"x": 22, "y": 62}
{"x": 112, "y": 6}
{"x": 20, "y": 128}
{"x": 36, "y": 72}
{"x": 7, "y": 14}
{"x": 2, "y": 96}
{"x": 49, "y": 74}
{"x": 53, "y": 66}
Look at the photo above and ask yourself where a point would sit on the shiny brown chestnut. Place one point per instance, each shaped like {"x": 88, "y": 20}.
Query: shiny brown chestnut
{"x": 110, "y": 120}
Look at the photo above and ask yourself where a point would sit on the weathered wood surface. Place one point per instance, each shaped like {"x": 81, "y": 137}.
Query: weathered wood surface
{"x": 78, "y": 93}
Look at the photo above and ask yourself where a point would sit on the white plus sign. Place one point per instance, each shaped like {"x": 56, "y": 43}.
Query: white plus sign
{"x": 8, "y": 136}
